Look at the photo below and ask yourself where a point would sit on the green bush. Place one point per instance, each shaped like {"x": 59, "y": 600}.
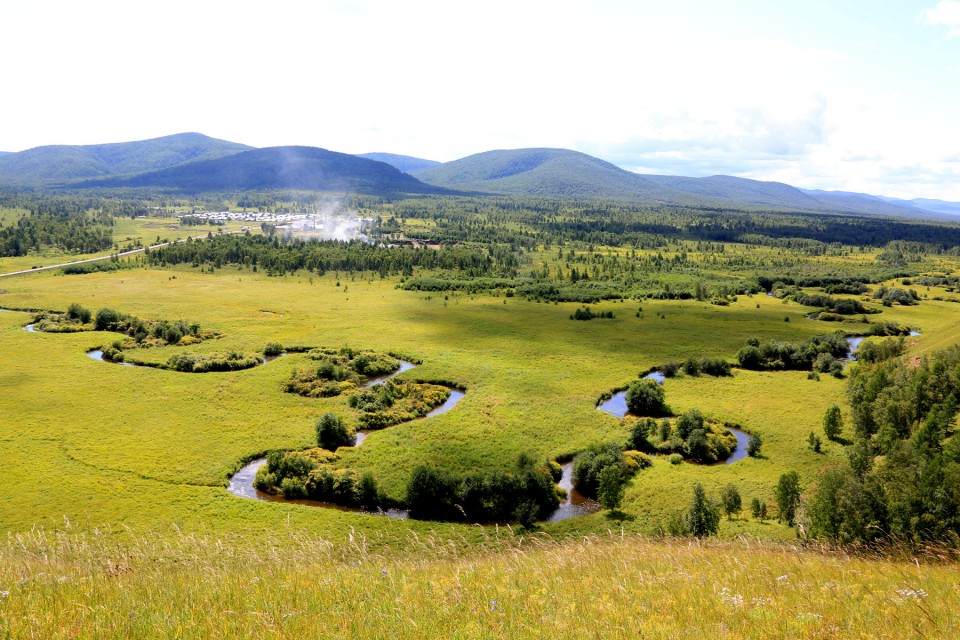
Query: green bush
{"x": 646, "y": 398}
{"x": 273, "y": 349}
{"x": 332, "y": 433}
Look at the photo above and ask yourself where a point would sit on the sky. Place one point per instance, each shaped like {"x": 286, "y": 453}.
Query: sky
{"x": 824, "y": 94}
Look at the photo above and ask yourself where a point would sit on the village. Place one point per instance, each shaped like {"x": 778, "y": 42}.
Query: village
{"x": 246, "y": 216}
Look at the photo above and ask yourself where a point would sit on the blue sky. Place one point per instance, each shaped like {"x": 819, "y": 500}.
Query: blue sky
{"x": 858, "y": 96}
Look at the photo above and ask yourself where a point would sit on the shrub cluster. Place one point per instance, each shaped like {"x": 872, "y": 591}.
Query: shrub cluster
{"x": 586, "y": 314}
{"x": 332, "y": 433}
{"x": 694, "y": 366}
{"x": 339, "y": 370}
{"x": 876, "y": 351}
{"x": 203, "y": 363}
{"x": 841, "y": 306}
{"x": 589, "y": 465}
{"x": 524, "y": 494}
{"x": 645, "y": 397}
{"x": 311, "y": 474}
{"x": 392, "y": 402}
{"x": 91, "y": 267}
{"x": 140, "y": 333}
{"x": 779, "y": 355}
{"x": 75, "y": 318}
{"x": 896, "y": 295}
{"x": 689, "y": 435}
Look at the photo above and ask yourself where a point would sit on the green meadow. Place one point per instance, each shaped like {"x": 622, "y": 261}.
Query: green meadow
{"x": 114, "y": 484}
{"x": 106, "y": 444}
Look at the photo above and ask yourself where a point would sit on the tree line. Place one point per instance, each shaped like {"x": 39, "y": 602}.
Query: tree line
{"x": 901, "y": 480}
{"x": 281, "y": 255}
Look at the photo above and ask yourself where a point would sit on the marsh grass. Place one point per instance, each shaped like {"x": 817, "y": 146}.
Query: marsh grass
{"x": 166, "y": 442}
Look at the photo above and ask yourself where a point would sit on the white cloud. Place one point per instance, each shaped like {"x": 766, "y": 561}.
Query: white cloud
{"x": 945, "y": 14}
{"x": 694, "y": 89}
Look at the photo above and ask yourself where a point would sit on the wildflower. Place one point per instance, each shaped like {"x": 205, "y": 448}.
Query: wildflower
{"x": 808, "y": 616}
{"x": 910, "y": 594}
{"x": 4, "y": 594}
{"x": 732, "y": 599}
{"x": 782, "y": 578}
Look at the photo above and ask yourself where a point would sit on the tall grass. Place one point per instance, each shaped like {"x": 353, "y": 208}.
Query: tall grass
{"x": 294, "y": 584}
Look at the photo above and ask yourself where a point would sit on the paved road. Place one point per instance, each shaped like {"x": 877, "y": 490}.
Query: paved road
{"x": 119, "y": 255}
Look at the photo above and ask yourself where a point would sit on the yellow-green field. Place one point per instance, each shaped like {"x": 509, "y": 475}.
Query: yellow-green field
{"x": 124, "y": 469}
{"x": 92, "y": 441}
{"x": 294, "y": 585}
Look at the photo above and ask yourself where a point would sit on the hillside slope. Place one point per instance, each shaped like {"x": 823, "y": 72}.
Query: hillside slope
{"x": 67, "y": 163}
{"x": 570, "y": 174}
{"x": 541, "y": 172}
{"x": 407, "y": 164}
{"x": 525, "y": 586}
{"x": 300, "y": 168}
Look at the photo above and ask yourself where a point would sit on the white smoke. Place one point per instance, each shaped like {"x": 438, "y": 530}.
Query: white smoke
{"x": 331, "y": 220}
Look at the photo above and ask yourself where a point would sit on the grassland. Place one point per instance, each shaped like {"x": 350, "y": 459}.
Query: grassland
{"x": 114, "y": 478}
{"x": 79, "y": 585}
{"x": 167, "y": 442}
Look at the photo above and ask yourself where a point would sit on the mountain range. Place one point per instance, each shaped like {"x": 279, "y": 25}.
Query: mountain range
{"x": 195, "y": 163}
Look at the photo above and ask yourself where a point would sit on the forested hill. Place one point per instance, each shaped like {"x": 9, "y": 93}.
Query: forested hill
{"x": 542, "y": 172}
{"x": 407, "y": 164}
{"x": 299, "y": 168}
{"x": 65, "y": 163}
{"x": 571, "y": 174}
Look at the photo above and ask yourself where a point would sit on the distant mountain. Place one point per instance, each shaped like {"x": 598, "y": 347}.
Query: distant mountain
{"x": 407, "y": 164}
{"x": 4, "y": 153}
{"x": 64, "y": 163}
{"x": 299, "y": 168}
{"x": 192, "y": 162}
{"x": 731, "y": 189}
{"x": 541, "y": 172}
{"x": 570, "y": 174}
{"x": 853, "y": 202}
{"x": 940, "y": 206}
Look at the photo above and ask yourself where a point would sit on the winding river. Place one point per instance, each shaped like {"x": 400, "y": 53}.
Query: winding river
{"x": 576, "y": 503}
{"x": 97, "y": 354}
{"x": 404, "y": 366}
{"x": 856, "y": 341}
{"x": 241, "y": 484}
{"x": 450, "y": 403}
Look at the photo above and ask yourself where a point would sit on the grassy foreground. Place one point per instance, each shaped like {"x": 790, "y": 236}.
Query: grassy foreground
{"x": 87, "y": 585}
